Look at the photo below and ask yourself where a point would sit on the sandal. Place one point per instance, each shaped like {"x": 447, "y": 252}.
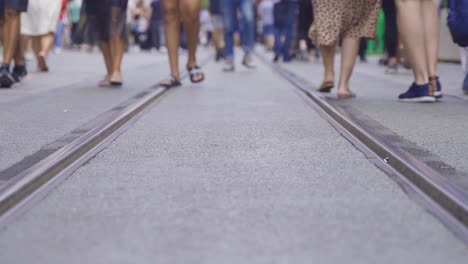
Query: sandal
{"x": 172, "y": 82}
{"x": 345, "y": 96}
{"x": 195, "y": 71}
{"x": 326, "y": 87}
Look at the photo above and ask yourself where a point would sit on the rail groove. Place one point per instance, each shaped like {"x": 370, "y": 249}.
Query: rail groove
{"x": 439, "y": 195}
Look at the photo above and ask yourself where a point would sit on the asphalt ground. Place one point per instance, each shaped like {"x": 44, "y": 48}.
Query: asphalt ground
{"x": 439, "y": 128}
{"x": 238, "y": 169}
{"x": 46, "y": 107}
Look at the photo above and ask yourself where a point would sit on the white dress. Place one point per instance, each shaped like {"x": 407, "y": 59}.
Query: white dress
{"x": 41, "y": 18}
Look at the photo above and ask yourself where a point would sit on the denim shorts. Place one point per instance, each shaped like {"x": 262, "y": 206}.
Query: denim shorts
{"x": 19, "y": 5}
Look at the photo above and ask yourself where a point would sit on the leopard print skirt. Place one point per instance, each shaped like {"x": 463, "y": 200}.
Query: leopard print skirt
{"x": 335, "y": 19}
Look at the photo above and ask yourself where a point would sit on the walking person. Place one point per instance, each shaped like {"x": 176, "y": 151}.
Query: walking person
{"x": 156, "y": 31}
{"x": 418, "y": 23}
{"x": 217, "y": 23}
{"x": 188, "y": 11}
{"x": 305, "y": 20}
{"x": 62, "y": 22}
{"x": 39, "y": 24}
{"x": 349, "y": 20}
{"x": 109, "y": 18}
{"x": 230, "y": 9}
{"x": 265, "y": 11}
{"x": 285, "y": 12}
{"x": 12, "y": 48}
{"x": 74, "y": 14}
{"x": 391, "y": 35}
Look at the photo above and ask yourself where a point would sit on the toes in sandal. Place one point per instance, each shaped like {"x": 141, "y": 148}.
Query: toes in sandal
{"x": 104, "y": 83}
{"x": 171, "y": 82}
{"x": 194, "y": 72}
{"x": 326, "y": 87}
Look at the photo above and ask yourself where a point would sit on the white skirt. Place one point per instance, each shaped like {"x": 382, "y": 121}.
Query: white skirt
{"x": 41, "y": 18}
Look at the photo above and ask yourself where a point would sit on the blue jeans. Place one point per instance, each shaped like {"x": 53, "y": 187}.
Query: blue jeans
{"x": 282, "y": 49}
{"x": 247, "y": 25}
{"x": 59, "y": 34}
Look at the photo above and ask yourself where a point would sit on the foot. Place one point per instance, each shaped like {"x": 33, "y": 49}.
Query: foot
{"x": 418, "y": 94}
{"x": 6, "y": 79}
{"x": 465, "y": 84}
{"x": 19, "y": 72}
{"x": 342, "y": 95}
{"x": 219, "y": 54}
{"x": 42, "y": 63}
{"x": 228, "y": 66}
{"x": 276, "y": 58}
{"x": 171, "y": 82}
{"x": 196, "y": 74}
{"x": 436, "y": 87}
{"x": 326, "y": 86}
{"x": 392, "y": 68}
{"x": 248, "y": 62}
{"x": 104, "y": 82}
{"x": 116, "y": 79}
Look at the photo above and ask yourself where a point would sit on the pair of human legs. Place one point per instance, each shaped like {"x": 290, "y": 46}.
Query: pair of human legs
{"x": 391, "y": 35}
{"x": 12, "y": 48}
{"x": 112, "y": 44}
{"x": 230, "y": 10}
{"x": 41, "y": 46}
{"x": 218, "y": 38}
{"x": 418, "y": 23}
{"x": 281, "y": 48}
{"x": 176, "y": 11}
{"x": 349, "y": 52}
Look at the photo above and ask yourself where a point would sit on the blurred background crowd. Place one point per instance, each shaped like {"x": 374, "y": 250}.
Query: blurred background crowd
{"x": 281, "y": 26}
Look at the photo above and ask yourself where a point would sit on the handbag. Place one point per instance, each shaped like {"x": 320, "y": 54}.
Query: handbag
{"x": 457, "y": 21}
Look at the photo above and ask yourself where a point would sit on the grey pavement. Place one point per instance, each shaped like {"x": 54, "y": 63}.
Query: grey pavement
{"x": 45, "y": 107}
{"x": 439, "y": 128}
{"x": 236, "y": 170}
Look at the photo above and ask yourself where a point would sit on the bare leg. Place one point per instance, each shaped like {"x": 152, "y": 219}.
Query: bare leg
{"x": 172, "y": 29}
{"x": 108, "y": 61}
{"x": 218, "y": 38}
{"x": 116, "y": 44}
{"x": 46, "y": 42}
{"x": 328, "y": 57}
{"x": 411, "y": 26}
{"x": 11, "y": 32}
{"x": 21, "y": 50}
{"x": 190, "y": 10}
{"x": 350, "y": 49}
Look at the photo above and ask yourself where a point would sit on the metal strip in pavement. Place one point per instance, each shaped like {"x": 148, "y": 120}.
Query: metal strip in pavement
{"x": 436, "y": 192}
{"x": 36, "y": 181}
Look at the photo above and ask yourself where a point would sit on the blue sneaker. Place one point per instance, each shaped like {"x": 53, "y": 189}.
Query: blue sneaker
{"x": 438, "y": 91}
{"x": 465, "y": 84}
{"x": 417, "y": 94}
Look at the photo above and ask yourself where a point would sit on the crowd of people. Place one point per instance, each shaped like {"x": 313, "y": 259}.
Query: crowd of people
{"x": 291, "y": 29}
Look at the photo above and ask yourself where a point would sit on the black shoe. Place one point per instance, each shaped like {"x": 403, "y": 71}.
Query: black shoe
{"x": 219, "y": 54}
{"x": 276, "y": 58}
{"x": 19, "y": 72}
{"x": 6, "y": 79}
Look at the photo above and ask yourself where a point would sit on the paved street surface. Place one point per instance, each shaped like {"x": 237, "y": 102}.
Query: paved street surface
{"x": 239, "y": 169}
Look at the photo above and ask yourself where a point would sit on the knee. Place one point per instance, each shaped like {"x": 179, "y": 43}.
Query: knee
{"x": 191, "y": 17}
{"x": 170, "y": 14}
